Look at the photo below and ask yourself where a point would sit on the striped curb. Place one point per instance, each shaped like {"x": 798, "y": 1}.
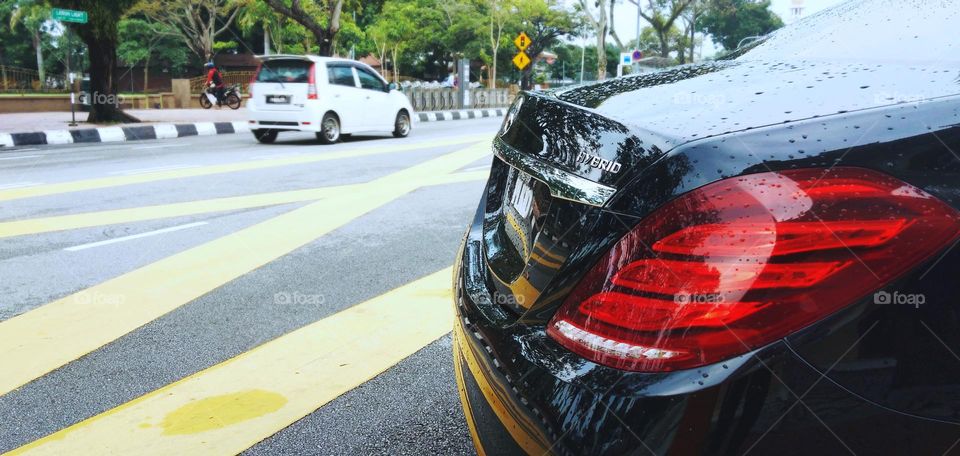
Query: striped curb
{"x": 434, "y": 116}
{"x": 164, "y": 131}
{"x": 119, "y": 134}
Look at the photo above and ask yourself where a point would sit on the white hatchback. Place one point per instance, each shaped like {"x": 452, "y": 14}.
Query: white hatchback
{"x": 328, "y": 96}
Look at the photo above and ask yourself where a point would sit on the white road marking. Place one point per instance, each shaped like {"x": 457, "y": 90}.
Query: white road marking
{"x": 19, "y": 157}
{"x": 133, "y": 236}
{"x": 132, "y": 172}
{"x": 287, "y": 155}
{"x": 161, "y": 146}
{"x": 475, "y": 168}
{"x": 18, "y": 185}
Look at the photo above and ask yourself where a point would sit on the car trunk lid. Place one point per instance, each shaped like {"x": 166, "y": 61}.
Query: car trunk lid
{"x": 556, "y": 166}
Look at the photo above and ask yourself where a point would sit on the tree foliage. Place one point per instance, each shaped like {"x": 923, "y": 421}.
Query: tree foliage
{"x": 198, "y": 22}
{"x": 101, "y": 35}
{"x": 730, "y": 21}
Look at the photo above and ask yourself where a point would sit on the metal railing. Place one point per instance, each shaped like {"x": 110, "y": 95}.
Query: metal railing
{"x": 15, "y": 79}
{"x": 229, "y": 78}
{"x": 443, "y": 99}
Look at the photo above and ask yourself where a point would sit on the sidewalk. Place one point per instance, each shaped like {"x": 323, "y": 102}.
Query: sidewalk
{"x": 26, "y": 129}
{"x": 42, "y": 121}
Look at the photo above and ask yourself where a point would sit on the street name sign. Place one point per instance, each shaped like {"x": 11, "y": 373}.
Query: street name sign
{"x": 65, "y": 15}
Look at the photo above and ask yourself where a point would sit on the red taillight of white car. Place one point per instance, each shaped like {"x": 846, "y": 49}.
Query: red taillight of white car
{"x": 743, "y": 262}
{"x": 254, "y": 79}
{"x": 312, "y": 83}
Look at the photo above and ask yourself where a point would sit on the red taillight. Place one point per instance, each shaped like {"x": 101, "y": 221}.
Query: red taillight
{"x": 254, "y": 79}
{"x": 312, "y": 83}
{"x": 743, "y": 262}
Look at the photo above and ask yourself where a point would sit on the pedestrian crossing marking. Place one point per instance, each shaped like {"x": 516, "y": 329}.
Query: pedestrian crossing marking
{"x": 161, "y": 211}
{"x": 231, "y": 406}
{"x": 115, "y": 181}
{"x": 36, "y": 342}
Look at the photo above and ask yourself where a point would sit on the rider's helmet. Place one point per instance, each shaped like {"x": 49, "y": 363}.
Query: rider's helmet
{"x": 209, "y": 65}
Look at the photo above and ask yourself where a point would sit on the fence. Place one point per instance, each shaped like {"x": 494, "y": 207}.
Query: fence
{"x": 14, "y": 79}
{"x": 234, "y": 77}
{"x": 441, "y": 99}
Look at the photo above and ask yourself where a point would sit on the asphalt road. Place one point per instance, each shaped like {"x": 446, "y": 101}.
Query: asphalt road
{"x": 212, "y": 294}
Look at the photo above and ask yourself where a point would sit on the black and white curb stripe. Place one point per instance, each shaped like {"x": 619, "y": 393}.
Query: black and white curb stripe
{"x": 460, "y": 114}
{"x": 118, "y": 134}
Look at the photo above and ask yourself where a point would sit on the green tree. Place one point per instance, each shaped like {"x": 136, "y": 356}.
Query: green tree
{"x": 145, "y": 42}
{"x": 729, "y": 21}
{"x": 661, "y": 15}
{"x": 319, "y": 17}
{"x": 198, "y": 22}
{"x": 545, "y": 21}
{"x": 395, "y": 30}
{"x": 600, "y": 24}
{"x": 33, "y": 15}
{"x": 100, "y": 35}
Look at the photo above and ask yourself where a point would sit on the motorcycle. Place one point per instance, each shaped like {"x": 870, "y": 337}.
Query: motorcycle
{"x": 231, "y": 97}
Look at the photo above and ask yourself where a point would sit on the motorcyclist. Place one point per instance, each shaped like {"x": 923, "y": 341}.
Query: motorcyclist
{"x": 215, "y": 82}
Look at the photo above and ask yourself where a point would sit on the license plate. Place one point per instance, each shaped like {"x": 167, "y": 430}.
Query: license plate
{"x": 278, "y": 99}
{"x": 519, "y": 210}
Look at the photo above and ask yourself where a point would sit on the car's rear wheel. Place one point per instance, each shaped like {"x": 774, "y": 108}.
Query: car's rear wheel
{"x": 401, "y": 126}
{"x": 329, "y": 129}
{"x": 265, "y": 136}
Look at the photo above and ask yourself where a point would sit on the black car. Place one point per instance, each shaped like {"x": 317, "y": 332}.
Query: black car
{"x": 755, "y": 255}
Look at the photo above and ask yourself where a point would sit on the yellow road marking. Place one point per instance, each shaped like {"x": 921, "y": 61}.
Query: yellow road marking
{"x": 230, "y": 407}
{"x": 138, "y": 214}
{"x": 105, "y": 182}
{"x": 43, "y": 339}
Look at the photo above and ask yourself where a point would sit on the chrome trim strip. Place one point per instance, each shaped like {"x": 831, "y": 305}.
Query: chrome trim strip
{"x": 562, "y": 184}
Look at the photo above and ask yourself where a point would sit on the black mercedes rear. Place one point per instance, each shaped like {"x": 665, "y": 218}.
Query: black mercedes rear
{"x": 741, "y": 256}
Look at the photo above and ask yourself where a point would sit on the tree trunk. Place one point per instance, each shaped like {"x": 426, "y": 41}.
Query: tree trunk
{"x": 602, "y": 54}
{"x": 664, "y": 45}
{"x": 266, "y": 41}
{"x": 104, "y": 105}
{"x": 493, "y": 71}
{"x": 396, "y": 68}
{"x": 41, "y": 72}
{"x": 146, "y": 73}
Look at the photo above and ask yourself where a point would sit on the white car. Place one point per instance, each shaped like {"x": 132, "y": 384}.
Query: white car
{"x": 329, "y": 96}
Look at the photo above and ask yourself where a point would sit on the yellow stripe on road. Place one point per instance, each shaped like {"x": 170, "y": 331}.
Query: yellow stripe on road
{"x": 43, "y": 339}
{"x": 106, "y": 182}
{"x": 139, "y": 214}
{"x": 231, "y": 406}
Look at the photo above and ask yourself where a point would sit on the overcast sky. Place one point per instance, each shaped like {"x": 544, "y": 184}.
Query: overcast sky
{"x": 626, "y": 20}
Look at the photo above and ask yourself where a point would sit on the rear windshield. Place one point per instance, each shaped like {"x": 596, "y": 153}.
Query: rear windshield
{"x": 285, "y": 71}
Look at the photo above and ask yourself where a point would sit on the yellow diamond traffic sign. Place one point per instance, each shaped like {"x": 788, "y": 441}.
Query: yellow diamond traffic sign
{"x": 521, "y": 60}
{"x": 522, "y": 41}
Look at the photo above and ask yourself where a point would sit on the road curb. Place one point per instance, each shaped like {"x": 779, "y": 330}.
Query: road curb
{"x": 121, "y": 134}
{"x": 163, "y": 131}
{"x": 435, "y": 116}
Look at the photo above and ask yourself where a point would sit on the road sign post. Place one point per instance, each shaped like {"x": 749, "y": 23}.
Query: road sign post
{"x": 77, "y": 17}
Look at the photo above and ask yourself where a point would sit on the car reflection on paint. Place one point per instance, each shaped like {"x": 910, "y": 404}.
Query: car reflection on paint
{"x": 723, "y": 256}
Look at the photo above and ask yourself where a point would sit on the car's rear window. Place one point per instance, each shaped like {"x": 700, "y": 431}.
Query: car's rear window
{"x": 285, "y": 71}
